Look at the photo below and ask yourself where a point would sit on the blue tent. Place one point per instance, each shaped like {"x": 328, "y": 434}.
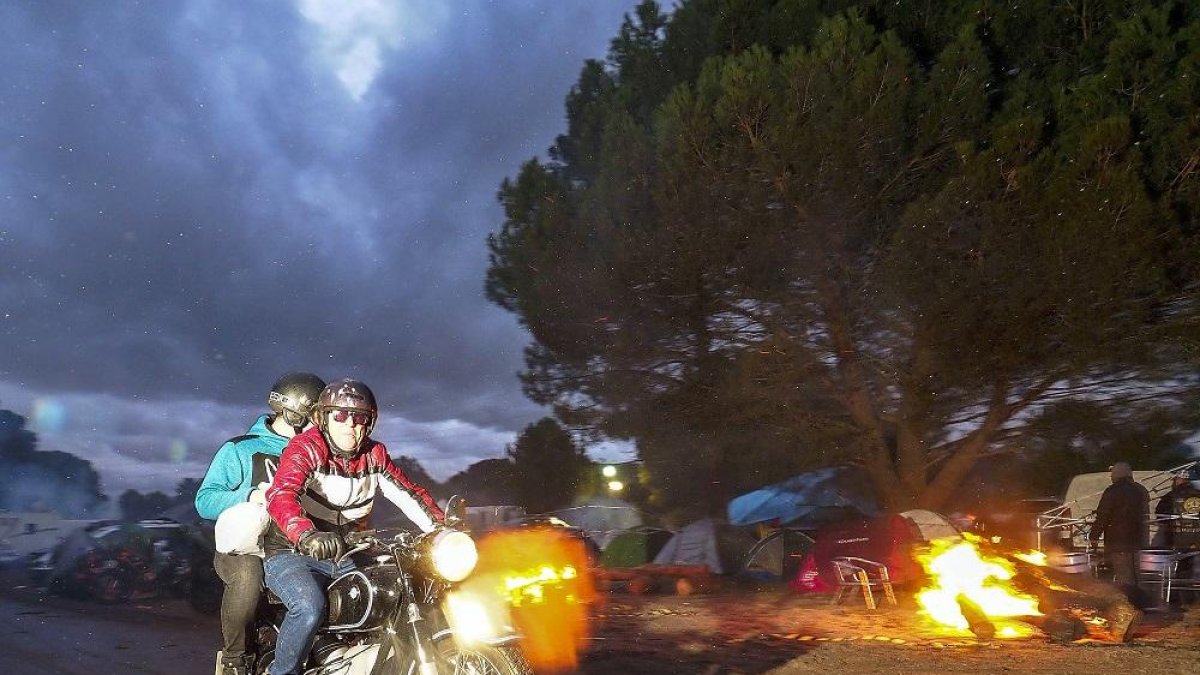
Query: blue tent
{"x": 809, "y": 500}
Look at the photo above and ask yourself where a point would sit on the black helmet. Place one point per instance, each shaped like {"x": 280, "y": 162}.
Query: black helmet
{"x": 294, "y": 396}
{"x": 349, "y": 395}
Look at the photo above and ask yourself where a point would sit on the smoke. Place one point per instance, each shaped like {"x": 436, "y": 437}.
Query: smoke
{"x": 42, "y": 484}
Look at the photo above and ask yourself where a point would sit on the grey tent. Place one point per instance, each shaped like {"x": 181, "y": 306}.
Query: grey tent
{"x": 719, "y": 545}
{"x": 931, "y": 525}
{"x": 601, "y": 518}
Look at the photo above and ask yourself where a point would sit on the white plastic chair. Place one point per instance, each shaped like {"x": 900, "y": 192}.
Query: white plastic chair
{"x": 854, "y": 574}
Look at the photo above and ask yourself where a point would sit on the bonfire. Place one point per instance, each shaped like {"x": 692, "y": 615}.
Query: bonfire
{"x": 971, "y": 590}
{"x": 997, "y": 593}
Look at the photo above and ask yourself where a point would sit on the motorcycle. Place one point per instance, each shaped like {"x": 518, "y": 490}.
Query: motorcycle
{"x": 399, "y": 613}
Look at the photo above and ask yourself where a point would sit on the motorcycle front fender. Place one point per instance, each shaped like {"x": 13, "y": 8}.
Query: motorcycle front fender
{"x": 506, "y": 637}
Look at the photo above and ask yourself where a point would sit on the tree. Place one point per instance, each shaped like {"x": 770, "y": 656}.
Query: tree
{"x": 417, "y": 473}
{"x": 44, "y": 480}
{"x": 16, "y": 442}
{"x": 185, "y": 491}
{"x": 135, "y": 505}
{"x": 896, "y": 241}
{"x": 548, "y": 466}
{"x": 488, "y": 482}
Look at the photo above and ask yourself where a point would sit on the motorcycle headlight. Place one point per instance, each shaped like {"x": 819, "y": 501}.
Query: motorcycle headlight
{"x": 453, "y": 554}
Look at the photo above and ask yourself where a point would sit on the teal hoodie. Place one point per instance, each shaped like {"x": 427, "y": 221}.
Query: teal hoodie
{"x": 230, "y": 476}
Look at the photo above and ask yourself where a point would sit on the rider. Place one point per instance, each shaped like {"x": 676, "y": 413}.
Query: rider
{"x": 239, "y": 473}
{"x": 325, "y": 487}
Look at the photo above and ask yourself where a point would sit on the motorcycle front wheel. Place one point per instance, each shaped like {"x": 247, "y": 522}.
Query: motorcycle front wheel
{"x": 476, "y": 660}
{"x": 481, "y": 659}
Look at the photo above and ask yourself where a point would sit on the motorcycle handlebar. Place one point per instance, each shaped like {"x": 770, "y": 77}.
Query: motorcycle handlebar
{"x": 356, "y": 539}
{"x": 377, "y": 538}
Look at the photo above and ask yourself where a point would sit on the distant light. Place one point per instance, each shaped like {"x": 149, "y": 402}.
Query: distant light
{"x": 178, "y": 450}
{"x": 615, "y": 486}
{"x": 608, "y": 471}
{"x": 49, "y": 415}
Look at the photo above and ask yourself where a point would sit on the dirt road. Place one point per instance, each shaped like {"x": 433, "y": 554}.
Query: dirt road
{"x": 51, "y": 636}
{"x": 732, "y": 631}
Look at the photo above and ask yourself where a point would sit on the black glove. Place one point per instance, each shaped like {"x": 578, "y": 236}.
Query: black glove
{"x": 321, "y": 545}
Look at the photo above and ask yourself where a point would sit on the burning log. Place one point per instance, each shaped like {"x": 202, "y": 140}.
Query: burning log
{"x": 976, "y": 618}
{"x": 1060, "y": 626}
{"x": 1060, "y": 594}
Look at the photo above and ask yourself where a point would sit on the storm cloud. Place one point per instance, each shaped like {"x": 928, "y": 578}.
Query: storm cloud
{"x": 196, "y": 197}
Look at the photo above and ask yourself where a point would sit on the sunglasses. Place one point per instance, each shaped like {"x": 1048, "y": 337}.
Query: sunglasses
{"x": 359, "y": 418}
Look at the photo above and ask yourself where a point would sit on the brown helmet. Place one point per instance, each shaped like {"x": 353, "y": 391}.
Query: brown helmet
{"x": 294, "y": 395}
{"x": 349, "y": 395}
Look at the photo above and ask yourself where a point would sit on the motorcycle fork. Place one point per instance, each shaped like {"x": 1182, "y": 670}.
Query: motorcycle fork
{"x": 420, "y": 639}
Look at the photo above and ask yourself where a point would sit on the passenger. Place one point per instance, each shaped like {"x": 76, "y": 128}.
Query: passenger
{"x": 239, "y": 473}
{"x": 325, "y": 487}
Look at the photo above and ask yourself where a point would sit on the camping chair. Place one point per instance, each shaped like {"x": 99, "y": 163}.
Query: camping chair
{"x": 859, "y": 573}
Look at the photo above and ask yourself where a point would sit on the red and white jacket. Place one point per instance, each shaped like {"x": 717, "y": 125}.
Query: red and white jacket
{"x": 317, "y": 488}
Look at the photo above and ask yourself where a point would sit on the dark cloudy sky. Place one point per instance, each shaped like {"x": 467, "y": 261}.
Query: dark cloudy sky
{"x": 198, "y": 196}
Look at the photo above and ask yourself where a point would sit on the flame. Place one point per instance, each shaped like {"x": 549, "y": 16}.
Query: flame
{"x": 531, "y": 586}
{"x": 959, "y": 570}
{"x": 544, "y": 578}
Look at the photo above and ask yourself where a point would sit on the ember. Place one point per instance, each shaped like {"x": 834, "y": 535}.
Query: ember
{"x": 971, "y": 591}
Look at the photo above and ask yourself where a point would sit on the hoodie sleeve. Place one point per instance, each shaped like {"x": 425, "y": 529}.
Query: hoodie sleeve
{"x": 296, "y": 465}
{"x": 224, "y": 484}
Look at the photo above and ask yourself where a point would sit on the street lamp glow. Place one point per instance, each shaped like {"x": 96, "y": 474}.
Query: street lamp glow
{"x": 615, "y": 486}
{"x": 608, "y": 471}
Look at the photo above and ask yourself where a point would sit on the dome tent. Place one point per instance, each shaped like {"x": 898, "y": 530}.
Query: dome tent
{"x": 720, "y": 546}
{"x": 634, "y": 547}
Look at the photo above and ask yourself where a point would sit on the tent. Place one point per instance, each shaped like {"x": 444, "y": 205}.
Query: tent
{"x": 887, "y": 539}
{"x": 637, "y": 546}
{"x": 932, "y": 525}
{"x": 601, "y": 518}
{"x": 719, "y": 545}
{"x": 777, "y": 555}
{"x": 807, "y": 501}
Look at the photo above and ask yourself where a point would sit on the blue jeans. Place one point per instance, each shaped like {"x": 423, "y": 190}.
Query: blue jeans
{"x": 300, "y": 582}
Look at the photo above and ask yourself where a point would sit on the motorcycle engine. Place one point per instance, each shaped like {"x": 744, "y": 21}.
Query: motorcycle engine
{"x": 360, "y": 599}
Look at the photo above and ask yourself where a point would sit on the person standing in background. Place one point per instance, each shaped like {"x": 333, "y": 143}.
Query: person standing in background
{"x": 1122, "y": 521}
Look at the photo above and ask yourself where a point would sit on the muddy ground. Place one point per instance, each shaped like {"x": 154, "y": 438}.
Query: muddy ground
{"x": 737, "y": 629}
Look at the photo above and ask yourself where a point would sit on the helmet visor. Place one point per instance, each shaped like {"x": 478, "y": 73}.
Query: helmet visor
{"x": 362, "y": 419}
{"x": 295, "y": 419}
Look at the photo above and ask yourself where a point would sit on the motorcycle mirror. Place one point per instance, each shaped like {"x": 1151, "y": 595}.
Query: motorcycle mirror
{"x": 456, "y": 511}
